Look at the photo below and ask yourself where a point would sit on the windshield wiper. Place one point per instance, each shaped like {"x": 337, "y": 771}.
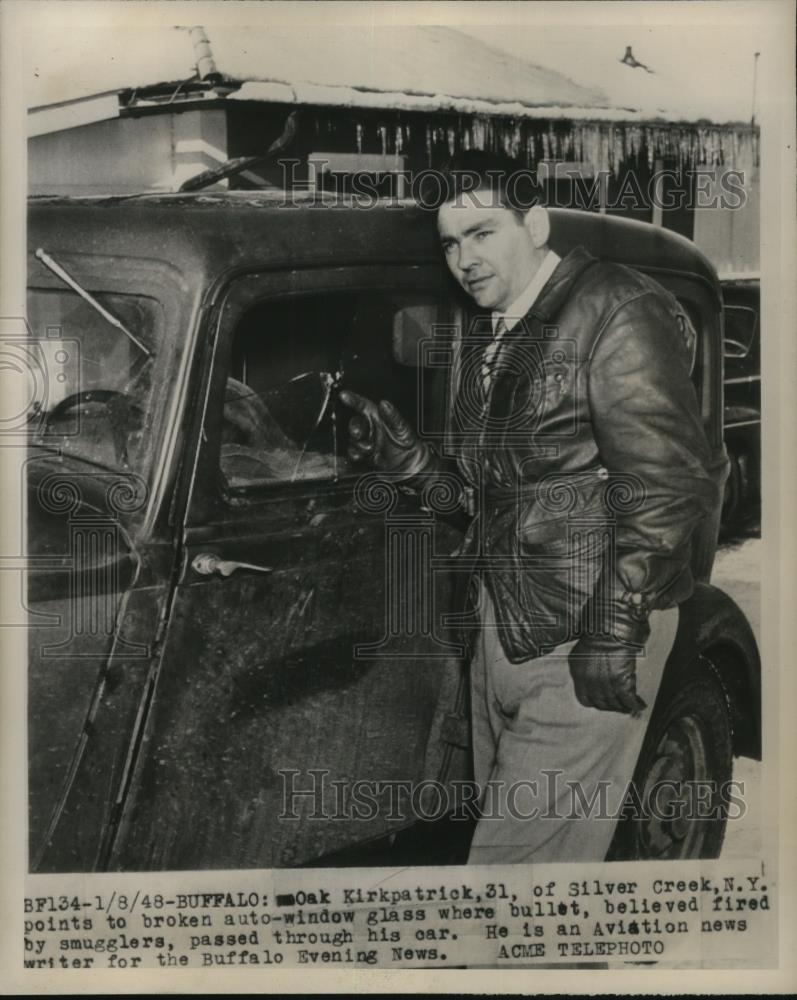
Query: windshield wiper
{"x": 56, "y": 268}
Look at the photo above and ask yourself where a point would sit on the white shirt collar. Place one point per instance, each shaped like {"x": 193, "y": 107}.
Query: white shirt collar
{"x": 515, "y": 313}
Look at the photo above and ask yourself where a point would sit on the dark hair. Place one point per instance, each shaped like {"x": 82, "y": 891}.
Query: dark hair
{"x": 514, "y": 186}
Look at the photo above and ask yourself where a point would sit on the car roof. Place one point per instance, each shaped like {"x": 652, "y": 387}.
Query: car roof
{"x": 203, "y": 234}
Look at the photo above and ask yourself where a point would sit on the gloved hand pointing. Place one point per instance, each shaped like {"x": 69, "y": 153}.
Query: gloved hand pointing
{"x": 382, "y": 435}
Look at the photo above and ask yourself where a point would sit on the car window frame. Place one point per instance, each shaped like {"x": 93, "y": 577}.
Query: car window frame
{"x": 745, "y": 349}
{"x": 209, "y": 501}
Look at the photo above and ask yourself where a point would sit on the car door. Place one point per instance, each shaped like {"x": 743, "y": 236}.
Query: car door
{"x": 742, "y": 403}
{"x": 97, "y": 569}
{"x": 742, "y": 357}
{"x": 305, "y": 672}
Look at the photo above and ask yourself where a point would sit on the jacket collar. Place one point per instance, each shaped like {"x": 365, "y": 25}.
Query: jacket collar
{"x": 558, "y": 286}
{"x": 523, "y": 303}
{"x": 545, "y": 307}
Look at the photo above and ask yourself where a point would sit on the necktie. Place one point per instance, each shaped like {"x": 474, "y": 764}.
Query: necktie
{"x": 490, "y": 352}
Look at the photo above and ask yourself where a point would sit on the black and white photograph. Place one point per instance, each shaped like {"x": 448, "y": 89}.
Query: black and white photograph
{"x": 394, "y": 549}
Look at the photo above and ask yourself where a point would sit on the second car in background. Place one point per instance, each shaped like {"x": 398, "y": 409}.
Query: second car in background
{"x": 742, "y": 408}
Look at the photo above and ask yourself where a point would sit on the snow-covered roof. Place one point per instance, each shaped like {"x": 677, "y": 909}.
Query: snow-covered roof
{"x": 74, "y": 75}
{"x": 676, "y": 72}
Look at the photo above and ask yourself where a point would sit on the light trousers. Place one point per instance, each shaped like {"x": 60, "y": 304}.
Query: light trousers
{"x": 552, "y": 773}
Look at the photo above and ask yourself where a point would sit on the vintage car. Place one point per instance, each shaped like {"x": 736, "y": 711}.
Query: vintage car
{"x": 232, "y": 630}
{"x": 742, "y": 384}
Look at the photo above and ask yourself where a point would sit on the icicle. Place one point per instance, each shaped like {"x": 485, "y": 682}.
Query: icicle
{"x": 478, "y": 133}
{"x": 516, "y": 138}
{"x": 605, "y": 146}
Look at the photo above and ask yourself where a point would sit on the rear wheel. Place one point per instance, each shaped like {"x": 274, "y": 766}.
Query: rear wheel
{"x": 678, "y": 808}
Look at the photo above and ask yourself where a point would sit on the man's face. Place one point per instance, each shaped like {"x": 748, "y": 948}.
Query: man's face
{"x": 488, "y": 249}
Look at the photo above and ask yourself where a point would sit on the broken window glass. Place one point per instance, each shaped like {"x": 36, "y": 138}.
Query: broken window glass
{"x": 282, "y": 418}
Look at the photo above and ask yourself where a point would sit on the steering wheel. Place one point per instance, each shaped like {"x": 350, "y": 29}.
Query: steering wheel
{"x": 123, "y": 410}
{"x": 86, "y": 396}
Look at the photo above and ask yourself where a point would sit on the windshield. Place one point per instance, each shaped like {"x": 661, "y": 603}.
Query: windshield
{"x": 95, "y": 397}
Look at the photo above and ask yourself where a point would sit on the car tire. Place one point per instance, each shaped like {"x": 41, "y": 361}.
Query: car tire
{"x": 689, "y": 740}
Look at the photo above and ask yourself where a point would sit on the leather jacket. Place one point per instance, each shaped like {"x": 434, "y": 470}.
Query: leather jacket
{"x": 585, "y": 459}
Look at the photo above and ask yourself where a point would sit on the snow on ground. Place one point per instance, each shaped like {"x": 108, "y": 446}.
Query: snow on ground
{"x": 737, "y": 571}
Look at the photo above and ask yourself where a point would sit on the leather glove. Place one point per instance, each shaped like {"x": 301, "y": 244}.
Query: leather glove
{"x": 382, "y": 435}
{"x": 604, "y": 674}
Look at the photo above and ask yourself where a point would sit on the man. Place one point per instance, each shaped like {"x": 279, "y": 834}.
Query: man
{"x": 577, "y": 429}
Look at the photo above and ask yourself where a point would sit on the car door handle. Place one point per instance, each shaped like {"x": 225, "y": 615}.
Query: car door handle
{"x": 206, "y": 563}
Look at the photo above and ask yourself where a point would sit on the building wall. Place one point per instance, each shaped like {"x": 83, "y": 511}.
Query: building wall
{"x": 127, "y": 155}
{"x": 730, "y": 236}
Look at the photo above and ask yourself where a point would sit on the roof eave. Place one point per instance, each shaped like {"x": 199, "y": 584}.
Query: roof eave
{"x": 72, "y": 114}
{"x": 167, "y": 98}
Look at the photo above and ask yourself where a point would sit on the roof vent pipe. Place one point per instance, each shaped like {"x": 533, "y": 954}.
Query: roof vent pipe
{"x": 205, "y": 63}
